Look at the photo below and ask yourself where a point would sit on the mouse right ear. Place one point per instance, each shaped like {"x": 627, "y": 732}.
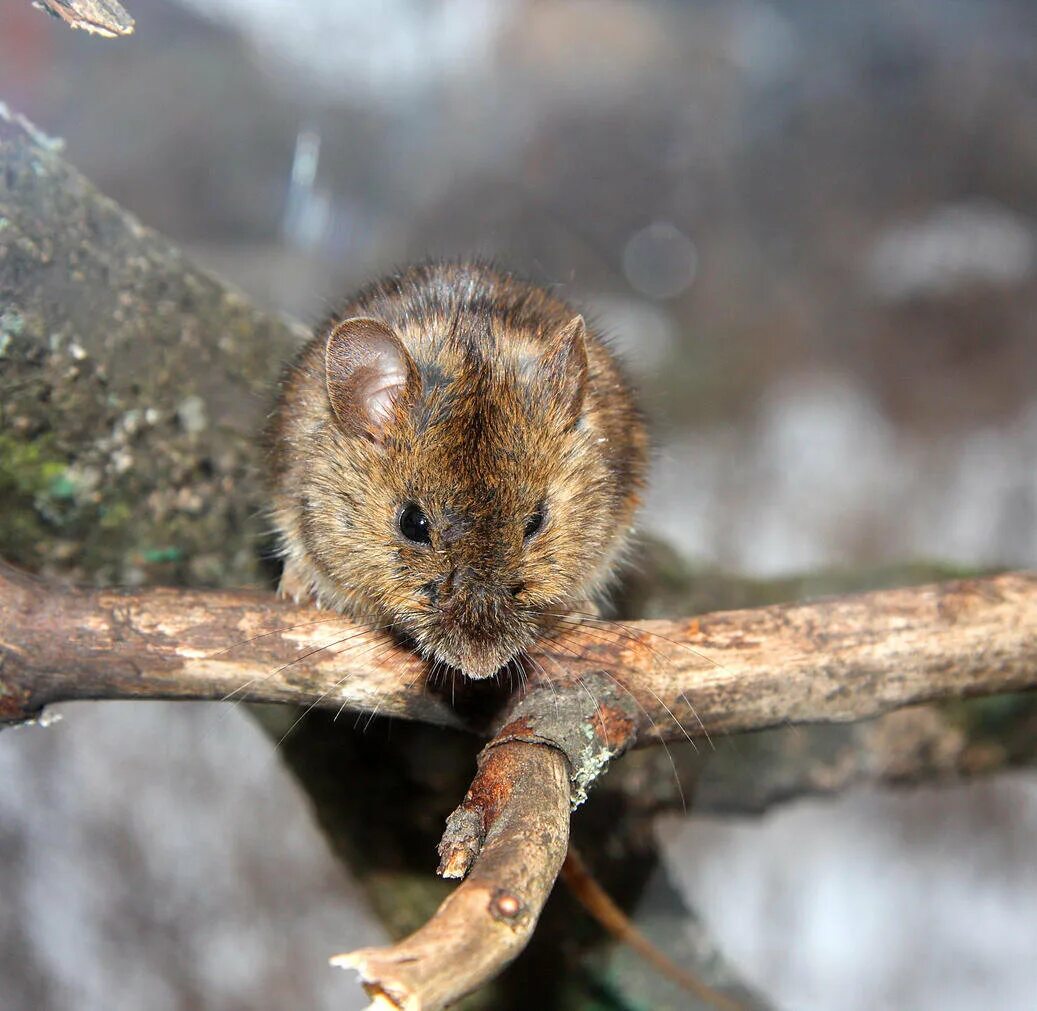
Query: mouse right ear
{"x": 368, "y": 372}
{"x": 564, "y": 368}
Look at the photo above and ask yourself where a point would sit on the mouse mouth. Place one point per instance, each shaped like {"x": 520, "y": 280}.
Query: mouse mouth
{"x": 479, "y": 646}
{"x": 477, "y": 642}
{"x": 477, "y": 661}
{"x": 476, "y": 656}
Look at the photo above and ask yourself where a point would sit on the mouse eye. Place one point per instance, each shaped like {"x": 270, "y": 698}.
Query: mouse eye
{"x": 414, "y": 524}
{"x": 533, "y": 523}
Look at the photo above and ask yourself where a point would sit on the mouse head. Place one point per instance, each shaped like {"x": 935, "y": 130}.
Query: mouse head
{"x": 462, "y": 493}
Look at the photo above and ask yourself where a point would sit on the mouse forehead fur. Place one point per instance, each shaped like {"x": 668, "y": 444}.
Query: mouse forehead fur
{"x": 483, "y": 400}
{"x": 490, "y": 408}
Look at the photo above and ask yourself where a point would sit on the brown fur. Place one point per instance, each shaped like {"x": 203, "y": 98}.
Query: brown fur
{"x": 502, "y": 419}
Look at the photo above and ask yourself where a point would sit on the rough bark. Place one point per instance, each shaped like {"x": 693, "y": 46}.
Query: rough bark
{"x": 508, "y": 837}
{"x": 940, "y": 741}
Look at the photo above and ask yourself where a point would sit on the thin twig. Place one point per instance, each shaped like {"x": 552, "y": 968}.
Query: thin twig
{"x": 601, "y": 906}
{"x": 490, "y": 917}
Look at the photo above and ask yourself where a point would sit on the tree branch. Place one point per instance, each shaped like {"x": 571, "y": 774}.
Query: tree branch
{"x": 513, "y": 799}
{"x": 835, "y": 660}
{"x": 523, "y": 792}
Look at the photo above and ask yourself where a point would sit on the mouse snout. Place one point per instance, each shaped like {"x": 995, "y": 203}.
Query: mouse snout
{"x": 466, "y": 585}
{"x": 477, "y": 614}
{"x": 475, "y": 604}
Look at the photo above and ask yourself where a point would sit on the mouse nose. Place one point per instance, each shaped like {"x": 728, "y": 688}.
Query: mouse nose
{"x": 463, "y": 582}
{"x": 468, "y": 595}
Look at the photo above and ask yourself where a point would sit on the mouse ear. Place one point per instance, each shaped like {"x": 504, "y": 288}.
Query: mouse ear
{"x": 564, "y": 367}
{"x": 368, "y": 371}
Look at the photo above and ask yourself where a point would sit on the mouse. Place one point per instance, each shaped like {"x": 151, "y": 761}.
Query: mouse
{"x": 457, "y": 457}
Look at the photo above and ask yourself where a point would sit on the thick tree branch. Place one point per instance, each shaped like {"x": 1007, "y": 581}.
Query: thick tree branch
{"x": 132, "y": 388}
{"x": 834, "y": 660}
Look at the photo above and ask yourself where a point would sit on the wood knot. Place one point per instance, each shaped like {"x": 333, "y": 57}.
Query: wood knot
{"x": 505, "y": 906}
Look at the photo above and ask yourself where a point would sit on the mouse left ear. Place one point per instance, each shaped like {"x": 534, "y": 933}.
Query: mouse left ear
{"x": 368, "y": 372}
{"x": 564, "y": 367}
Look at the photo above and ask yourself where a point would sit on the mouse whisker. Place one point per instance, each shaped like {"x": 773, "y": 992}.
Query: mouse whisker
{"x": 387, "y": 650}
{"x": 521, "y": 671}
{"x": 313, "y": 705}
{"x": 277, "y": 670}
{"x": 586, "y": 616}
{"x": 371, "y": 716}
{"x": 595, "y": 701}
{"x": 275, "y": 631}
{"x": 547, "y": 677}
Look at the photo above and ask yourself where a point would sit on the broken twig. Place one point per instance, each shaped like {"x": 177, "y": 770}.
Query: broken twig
{"x": 489, "y": 918}
{"x": 107, "y": 18}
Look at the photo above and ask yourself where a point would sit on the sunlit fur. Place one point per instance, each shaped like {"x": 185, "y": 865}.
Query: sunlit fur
{"x": 485, "y": 442}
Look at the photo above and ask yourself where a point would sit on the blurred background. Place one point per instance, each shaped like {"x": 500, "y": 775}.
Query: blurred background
{"x": 811, "y": 226}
